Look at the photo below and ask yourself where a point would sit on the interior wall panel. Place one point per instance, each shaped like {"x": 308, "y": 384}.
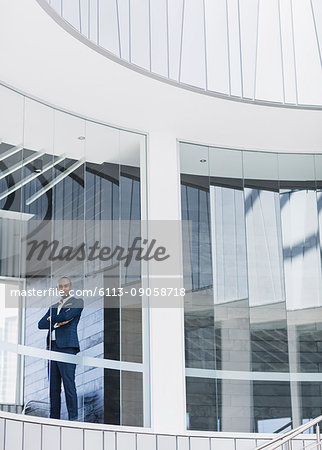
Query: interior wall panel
{"x": 71, "y": 438}
{"x": 222, "y": 444}
{"x": 13, "y": 434}
{"x": 109, "y": 440}
{"x": 245, "y": 444}
{"x": 50, "y": 437}
{"x": 126, "y": 441}
{"x": 199, "y": 443}
{"x": 32, "y": 436}
{"x": 166, "y": 443}
{"x": 146, "y": 442}
{"x": 93, "y": 440}
{"x": 182, "y": 443}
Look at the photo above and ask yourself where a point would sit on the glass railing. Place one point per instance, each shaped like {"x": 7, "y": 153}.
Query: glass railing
{"x": 252, "y": 273}
{"x": 68, "y": 184}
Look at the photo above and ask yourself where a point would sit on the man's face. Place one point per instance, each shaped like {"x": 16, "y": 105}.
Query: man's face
{"x": 64, "y": 287}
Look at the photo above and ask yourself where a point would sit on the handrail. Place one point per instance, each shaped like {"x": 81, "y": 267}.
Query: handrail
{"x": 26, "y": 406}
{"x": 283, "y": 428}
{"x": 311, "y": 446}
{"x": 280, "y": 440}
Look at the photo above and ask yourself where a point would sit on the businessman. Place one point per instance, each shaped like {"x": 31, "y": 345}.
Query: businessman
{"x": 61, "y": 321}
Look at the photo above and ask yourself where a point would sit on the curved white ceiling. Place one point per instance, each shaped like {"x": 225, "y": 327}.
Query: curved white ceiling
{"x": 41, "y": 58}
{"x": 259, "y": 50}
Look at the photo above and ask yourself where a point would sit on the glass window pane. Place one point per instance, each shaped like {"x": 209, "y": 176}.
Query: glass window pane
{"x": 272, "y": 203}
{"x": 132, "y": 399}
{"x": 203, "y": 400}
{"x": 272, "y": 405}
{"x": 10, "y": 367}
{"x": 302, "y": 257}
{"x": 228, "y": 244}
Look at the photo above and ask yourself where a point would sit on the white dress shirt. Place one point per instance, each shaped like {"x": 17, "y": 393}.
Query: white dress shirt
{"x": 62, "y": 301}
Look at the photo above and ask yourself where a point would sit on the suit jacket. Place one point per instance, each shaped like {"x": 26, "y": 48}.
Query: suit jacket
{"x": 66, "y": 335}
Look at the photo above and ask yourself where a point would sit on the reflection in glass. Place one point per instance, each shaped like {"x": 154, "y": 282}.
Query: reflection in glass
{"x": 10, "y": 363}
{"x": 229, "y": 244}
{"x": 311, "y": 400}
{"x": 53, "y": 193}
{"x": 264, "y": 247}
{"x": 132, "y": 398}
{"x": 261, "y": 311}
{"x": 302, "y": 257}
{"x": 199, "y": 315}
{"x": 272, "y": 407}
{"x": 269, "y": 338}
{"x": 203, "y": 403}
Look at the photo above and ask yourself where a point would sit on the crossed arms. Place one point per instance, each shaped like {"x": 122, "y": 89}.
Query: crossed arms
{"x": 52, "y": 321}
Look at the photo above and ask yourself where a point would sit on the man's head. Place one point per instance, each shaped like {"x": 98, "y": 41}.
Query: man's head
{"x": 64, "y": 286}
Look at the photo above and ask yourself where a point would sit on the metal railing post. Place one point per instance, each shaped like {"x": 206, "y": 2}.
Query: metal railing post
{"x": 318, "y": 437}
{"x": 284, "y": 441}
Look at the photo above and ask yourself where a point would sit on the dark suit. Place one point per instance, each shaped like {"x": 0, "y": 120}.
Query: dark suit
{"x": 66, "y": 342}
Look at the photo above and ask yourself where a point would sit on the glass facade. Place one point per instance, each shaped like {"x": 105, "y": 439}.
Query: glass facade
{"x": 74, "y": 182}
{"x": 252, "y": 272}
{"x": 252, "y": 249}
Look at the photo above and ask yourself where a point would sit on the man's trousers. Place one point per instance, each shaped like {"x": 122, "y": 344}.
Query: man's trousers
{"x": 62, "y": 372}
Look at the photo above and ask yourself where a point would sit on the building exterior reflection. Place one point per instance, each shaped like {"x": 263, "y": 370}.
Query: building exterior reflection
{"x": 253, "y": 272}
{"x": 78, "y": 182}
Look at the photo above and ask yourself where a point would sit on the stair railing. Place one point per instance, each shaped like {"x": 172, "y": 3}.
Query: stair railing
{"x": 284, "y": 441}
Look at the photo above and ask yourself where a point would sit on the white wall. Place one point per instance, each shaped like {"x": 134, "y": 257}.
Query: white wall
{"x": 19, "y": 432}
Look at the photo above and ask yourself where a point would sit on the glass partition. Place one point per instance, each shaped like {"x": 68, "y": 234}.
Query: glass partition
{"x": 10, "y": 333}
{"x": 253, "y": 347}
{"x": 71, "y": 197}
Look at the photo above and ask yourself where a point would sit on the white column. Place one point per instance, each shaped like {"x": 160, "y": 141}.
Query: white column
{"x": 166, "y": 316}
